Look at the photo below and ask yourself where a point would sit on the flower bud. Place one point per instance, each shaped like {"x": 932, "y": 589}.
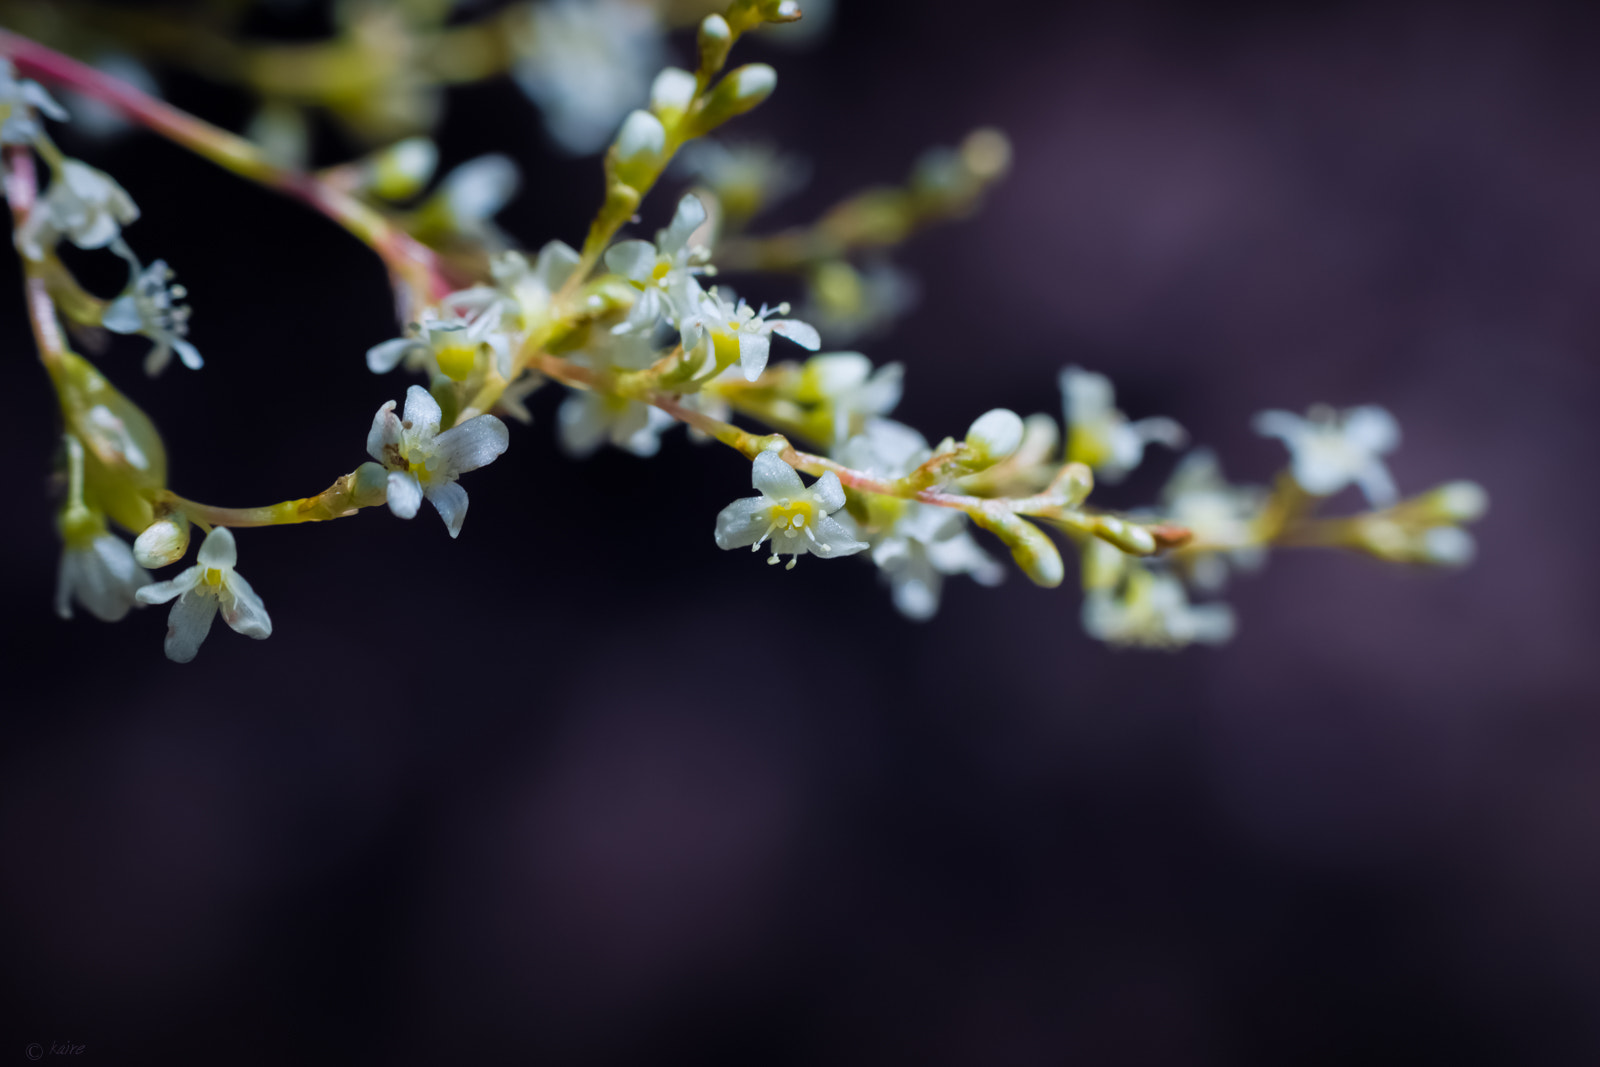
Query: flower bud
{"x": 370, "y": 485}
{"x": 1458, "y": 502}
{"x": 403, "y": 168}
{"x": 1130, "y": 537}
{"x": 476, "y": 191}
{"x": 671, "y": 94}
{"x": 163, "y": 541}
{"x": 993, "y": 436}
{"x": 715, "y": 39}
{"x": 1030, "y": 546}
{"x": 738, "y": 92}
{"x": 1448, "y": 546}
{"x": 640, "y": 143}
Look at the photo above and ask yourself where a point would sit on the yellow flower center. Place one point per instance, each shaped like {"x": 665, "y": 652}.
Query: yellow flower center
{"x": 456, "y": 360}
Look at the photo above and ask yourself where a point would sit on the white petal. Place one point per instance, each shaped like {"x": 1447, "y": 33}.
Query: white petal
{"x": 422, "y": 411}
{"x": 1372, "y": 428}
{"x": 382, "y": 358}
{"x": 1089, "y": 396}
{"x": 385, "y": 431}
{"x": 581, "y": 422}
{"x": 245, "y": 613}
{"x": 916, "y": 595}
{"x": 753, "y": 349}
{"x": 828, "y": 493}
{"x": 188, "y": 353}
{"x": 188, "y": 624}
{"x": 405, "y": 494}
{"x": 1284, "y": 425}
{"x": 480, "y": 187}
{"x": 161, "y": 592}
{"x": 122, "y": 315}
{"x": 1376, "y": 483}
{"x": 690, "y": 214}
{"x": 475, "y": 443}
{"x": 632, "y": 259}
{"x": 839, "y": 539}
{"x": 742, "y": 522}
{"x": 66, "y": 581}
{"x": 555, "y": 264}
{"x": 772, "y": 476}
{"x": 451, "y": 500}
{"x": 801, "y": 333}
{"x": 218, "y": 549}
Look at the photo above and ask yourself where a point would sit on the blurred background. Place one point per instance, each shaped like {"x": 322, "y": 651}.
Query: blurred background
{"x": 580, "y": 788}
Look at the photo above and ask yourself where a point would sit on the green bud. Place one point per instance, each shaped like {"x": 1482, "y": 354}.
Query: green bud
{"x": 739, "y": 91}
{"x": 993, "y": 436}
{"x": 402, "y": 169}
{"x": 1033, "y": 550}
{"x": 639, "y": 148}
{"x": 715, "y": 40}
{"x": 1130, "y": 537}
{"x": 369, "y": 486}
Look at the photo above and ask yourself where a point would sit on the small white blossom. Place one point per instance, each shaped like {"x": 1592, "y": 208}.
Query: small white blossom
{"x": 744, "y": 177}
{"x": 529, "y": 287}
{"x": 149, "y": 307}
{"x": 915, "y": 545}
{"x": 99, "y": 572}
{"x": 422, "y": 462}
{"x": 84, "y": 205}
{"x": 664, "y": 271}
{"x": 795, "y": 517}
{"x": 585, "y": 63}
{"x": 743, "y": 332}
{"x": 1101, "y": 436}
{"x": 846, "y": 304}
{"x": 853, "y": 391}
{"x": 1220, "y": 516}
{"x": 1151, "y": 610}
{"x": 210, "y": 585}
{"x": 20, "y": 99}
{"x": 1329, "y": 450}
{"x": 449, "y": 338}
{"x": 587, "y": 419}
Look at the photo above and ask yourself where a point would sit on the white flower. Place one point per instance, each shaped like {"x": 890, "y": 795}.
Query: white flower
{"x": 148, "y": 307}
{"x": 1101, "y": 436}
{"x": 915, "y": 545}
{"x": 587, "y": 419}
{"x": 1329, "y": 450}
{"x": 1221, "y": 516}
{"x": 744, "y": 177}
{"x": 99, "y": 572}
{"x": 664, "y": 271}
{"x": 450, "y": 337}
{"x": 855, "y": 393}
{"x": 845, "y": 303}
{"x": 19, "y": 100}
{"x": 1152, "y": 611}
{"x": 422, "y": 462}
{"x": 585, "y": 63}
{"x": 740, "y": 332}
{"x": 794, "y": 516}
{"x": 84, "y": 205}
{"x": 202, "y": 590}
{"x": 924, "y": 544}
{"x": 529, "y": 287}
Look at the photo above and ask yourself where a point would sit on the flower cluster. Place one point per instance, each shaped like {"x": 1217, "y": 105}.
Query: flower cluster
{"x": 631, "y": 327}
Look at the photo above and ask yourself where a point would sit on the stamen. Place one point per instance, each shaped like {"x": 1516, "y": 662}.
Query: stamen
{"x": 792, "y": 561}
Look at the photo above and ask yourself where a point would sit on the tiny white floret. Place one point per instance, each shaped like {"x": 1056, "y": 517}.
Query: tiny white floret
{"x": 422, "y": 462}
{"x": 211, "y": 585}
{"x": 795, "y": 517}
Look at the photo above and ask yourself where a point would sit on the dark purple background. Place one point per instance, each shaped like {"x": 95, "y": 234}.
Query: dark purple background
{"x": 580, "y": 788}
